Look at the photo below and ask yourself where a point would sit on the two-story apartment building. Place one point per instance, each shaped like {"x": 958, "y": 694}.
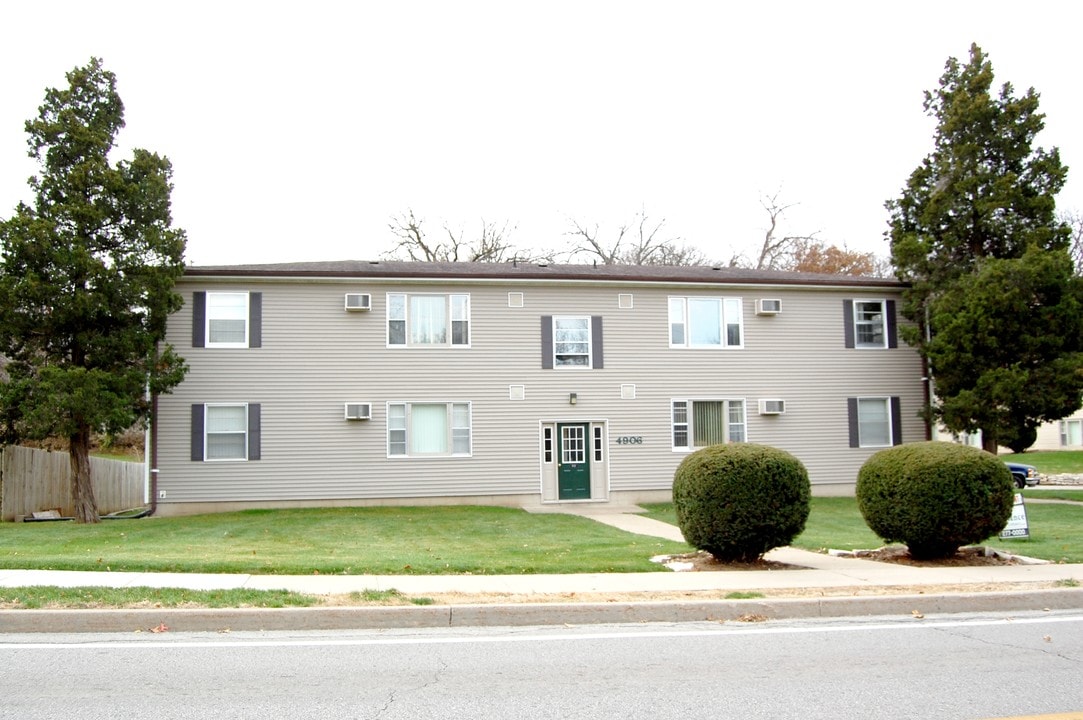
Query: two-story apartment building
{"x": 316, "y": 384}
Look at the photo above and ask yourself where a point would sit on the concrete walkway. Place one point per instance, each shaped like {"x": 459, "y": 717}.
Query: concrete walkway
{"x": 882, "y": 587}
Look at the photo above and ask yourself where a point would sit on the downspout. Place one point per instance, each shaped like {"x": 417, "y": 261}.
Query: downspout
{"x": 147, "y": 489}
{"x": 152, "y": 465}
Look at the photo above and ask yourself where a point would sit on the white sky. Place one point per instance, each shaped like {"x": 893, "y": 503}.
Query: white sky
{"x": 297, "y": 130}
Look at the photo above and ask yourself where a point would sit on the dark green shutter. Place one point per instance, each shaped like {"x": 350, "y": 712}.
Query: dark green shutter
{"x": 199, "y": 319}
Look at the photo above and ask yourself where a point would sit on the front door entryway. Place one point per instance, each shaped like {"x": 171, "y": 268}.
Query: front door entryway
{"x": 573, "y": 466}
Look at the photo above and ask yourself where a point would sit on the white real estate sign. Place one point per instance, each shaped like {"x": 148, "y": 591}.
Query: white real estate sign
{"x": 1017, "y": 526}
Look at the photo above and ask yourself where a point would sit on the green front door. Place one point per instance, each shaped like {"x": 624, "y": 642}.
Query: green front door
{"x": 573, "y": 469}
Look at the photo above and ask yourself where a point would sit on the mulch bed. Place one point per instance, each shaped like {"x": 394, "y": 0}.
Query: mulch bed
{"x": 967, "y": 556}
{"x": 703, "y": 561}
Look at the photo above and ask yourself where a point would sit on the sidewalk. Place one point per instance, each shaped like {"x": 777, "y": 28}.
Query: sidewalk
{"x": 879, "y": 585}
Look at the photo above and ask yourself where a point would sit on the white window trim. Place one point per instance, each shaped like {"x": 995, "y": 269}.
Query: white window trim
{"x": 450, "y": 429}
{"x": 206, "y": 432}
{"x": 882, "y": 345}
{"x": 449, "y": 318}
{"x": 723, "y": 335}
{"x": 1065, "y": 434}
{"x": 890, "y": 430}
{"x": 690, "y": 431}
{"x": 590, "y": 342}
{"x": 207, "y": 320}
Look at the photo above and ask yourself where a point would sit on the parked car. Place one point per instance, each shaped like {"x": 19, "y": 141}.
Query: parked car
{"x": 1023, "y": 475}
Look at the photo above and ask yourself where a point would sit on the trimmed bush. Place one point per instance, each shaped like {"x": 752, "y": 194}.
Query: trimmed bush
{"x": 739, "y": 500}
{"x": 934, "y": 496}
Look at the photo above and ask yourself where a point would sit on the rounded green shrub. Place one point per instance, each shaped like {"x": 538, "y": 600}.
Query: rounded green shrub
{"x": 934, "y": 496}
{"x": 739, "y": 500}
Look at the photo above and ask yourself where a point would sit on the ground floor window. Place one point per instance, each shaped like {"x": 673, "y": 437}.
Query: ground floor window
{"x": 1071, "y": 433}
{"x": 428, "y": 429}
{"x": 699, "y": 423}
{"x": 874, "y": 421}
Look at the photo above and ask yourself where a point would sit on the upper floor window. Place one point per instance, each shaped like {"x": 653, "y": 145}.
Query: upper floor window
{"x": 571, "y": 341}
{"x": 428, "y": 429}
{"x": 705, "y": 322}
{"x": 227, "y": 319}
{"x": 428, "y": 320}
{"x": 699, "y": 423}
{"x": 870, "y": 323}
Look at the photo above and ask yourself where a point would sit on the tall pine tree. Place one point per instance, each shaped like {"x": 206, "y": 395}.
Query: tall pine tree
{"x": 986, "y": 193}
{"x": 86, "y": 280}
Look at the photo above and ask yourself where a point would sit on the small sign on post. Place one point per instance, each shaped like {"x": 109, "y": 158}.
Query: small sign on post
{"x": 1017, "y": 526}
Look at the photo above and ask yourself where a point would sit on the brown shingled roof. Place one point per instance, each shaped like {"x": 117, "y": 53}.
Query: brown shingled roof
{"x": 532, "y": 271}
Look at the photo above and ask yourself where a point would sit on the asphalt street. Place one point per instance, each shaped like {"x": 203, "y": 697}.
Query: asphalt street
{"x": 962, "y": 667}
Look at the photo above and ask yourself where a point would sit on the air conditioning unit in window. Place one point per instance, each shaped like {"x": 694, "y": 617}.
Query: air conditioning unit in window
{"x": 358, "y": 302}
{"x": 772, "y": 407}
{"x": 765, "y": 306}
{"x": 358, "y": 411}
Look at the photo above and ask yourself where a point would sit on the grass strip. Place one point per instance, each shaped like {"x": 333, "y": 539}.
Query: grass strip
{"x": 49, "y": 597}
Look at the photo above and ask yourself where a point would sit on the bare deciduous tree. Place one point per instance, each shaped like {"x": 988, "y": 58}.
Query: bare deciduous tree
{"x": 636, "y": 243}
{"x": 491, "y": 245}
{"x": 776, "y": 253}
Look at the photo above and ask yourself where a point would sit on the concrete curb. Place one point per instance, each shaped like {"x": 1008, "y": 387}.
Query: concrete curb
{"x": 370, "y": 618}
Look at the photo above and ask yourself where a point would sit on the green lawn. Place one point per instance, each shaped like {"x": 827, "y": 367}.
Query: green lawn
{"x": 835, "y": 522}
{"x": 1051, "y": 492}
{"x": 1050, "y": 462}
{"x": 353, "y": 541}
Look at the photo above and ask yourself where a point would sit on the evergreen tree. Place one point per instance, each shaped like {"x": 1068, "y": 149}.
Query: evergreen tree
{"x": 985, "y": 193}
{"x": 86, "y": 280}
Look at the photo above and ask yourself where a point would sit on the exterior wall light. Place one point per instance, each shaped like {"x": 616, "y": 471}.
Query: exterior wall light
{"x": 573, "y": 399}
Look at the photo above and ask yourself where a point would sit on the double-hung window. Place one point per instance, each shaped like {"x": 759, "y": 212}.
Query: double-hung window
{"x": 874, "y": 421}
{"x": 428, "y": 429}
{"x": 705, "y": 322}
{"x": 225, "y": 431}
{"x": 227, "y": 319}
{"x": 423, "y": 320}
{"x": 1071, "y": 433}
{"x": 571, "y": 341}
{"x": 870, "y": 324}
{"x": 699, "y": 423}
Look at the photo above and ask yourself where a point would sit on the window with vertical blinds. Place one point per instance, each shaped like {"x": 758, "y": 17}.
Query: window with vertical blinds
{"x": 699, "y": 423}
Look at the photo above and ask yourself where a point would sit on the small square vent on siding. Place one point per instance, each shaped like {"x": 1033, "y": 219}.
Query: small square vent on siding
{"x": 627, "y": 391}
{"x": 624, "y": 301}
{"x": 516, "y": 392}
{"x": 358, "y": 411}
{"x": 515, "y": 299}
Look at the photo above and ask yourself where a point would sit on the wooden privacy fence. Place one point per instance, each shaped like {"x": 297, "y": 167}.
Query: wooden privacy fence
{"x": 33, "y": 480}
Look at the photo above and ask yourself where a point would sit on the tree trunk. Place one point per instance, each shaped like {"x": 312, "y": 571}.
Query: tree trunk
{"x": 82, "y": 491}
{"x": 989, "y": 442}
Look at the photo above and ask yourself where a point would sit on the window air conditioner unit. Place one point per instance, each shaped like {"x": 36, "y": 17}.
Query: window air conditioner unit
{"x": 768, "y": 306}
{"x": 772, "y": 407}
{"x": 358, "y": 411}
{"x": 358, "y": 302}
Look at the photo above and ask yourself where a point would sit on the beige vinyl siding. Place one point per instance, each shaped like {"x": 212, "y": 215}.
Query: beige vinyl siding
{"x": 315, "y": 356}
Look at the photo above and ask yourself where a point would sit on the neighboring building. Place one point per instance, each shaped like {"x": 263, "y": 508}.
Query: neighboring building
{"x": 1066, "y": 434}
{"x": 518, "y": 384}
